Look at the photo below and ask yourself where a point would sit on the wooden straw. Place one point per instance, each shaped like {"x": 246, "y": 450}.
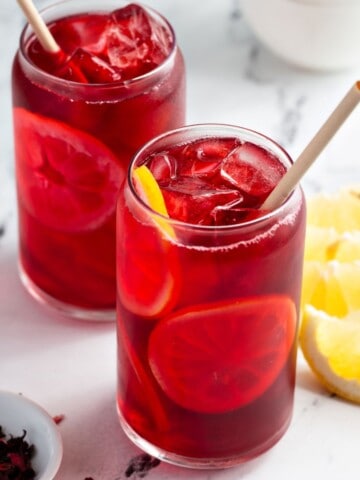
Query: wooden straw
{"x": 314, "y": 148}
{"x": 39, "y": 26}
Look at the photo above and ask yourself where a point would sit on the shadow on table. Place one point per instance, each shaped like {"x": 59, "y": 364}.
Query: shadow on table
{"x": 26, "y": 324}
{"x": 306, "y": 380}
{"x": 96, "y": 448}
{"x": 94, "y": 444}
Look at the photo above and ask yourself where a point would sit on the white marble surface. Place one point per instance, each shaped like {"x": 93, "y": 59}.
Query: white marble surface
{"x": 69, "y": 367}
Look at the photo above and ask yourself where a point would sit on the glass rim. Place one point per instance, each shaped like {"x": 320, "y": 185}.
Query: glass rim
{"x": 27, "y": 30}
{"x": 209, "y": 131}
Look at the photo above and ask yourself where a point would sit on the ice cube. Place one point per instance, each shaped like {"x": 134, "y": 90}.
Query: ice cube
{"x": 78, "y": 31}
{"x": 203, "y": 157}
{"x": 136, "y": 43}
{"x": 210, "y": 148}
{"x": 192, "y": 199}
{"x": 252, "y": 169}
{"x": 84, "y": 67}
{"x": 93, "y": 37}
{"x": 163, "y": 167}
{"x": 199, "y": 168}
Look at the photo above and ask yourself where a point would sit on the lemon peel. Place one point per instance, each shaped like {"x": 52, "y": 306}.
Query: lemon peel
{"x": 331, "y": 346}
{"x": 149, "y": 191}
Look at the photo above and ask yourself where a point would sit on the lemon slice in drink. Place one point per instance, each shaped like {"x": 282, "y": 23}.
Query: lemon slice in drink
{"x": 216, "y": 357}
{"x": 149, "y": 191}
{"x": 149, "y": 274}
{"x": 331, "y": 347}
{"x": 68, "y": 180}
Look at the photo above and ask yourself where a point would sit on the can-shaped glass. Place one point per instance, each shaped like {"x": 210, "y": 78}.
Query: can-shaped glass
{"x": 207, "y": 313}
{"x": 74, "y": 137}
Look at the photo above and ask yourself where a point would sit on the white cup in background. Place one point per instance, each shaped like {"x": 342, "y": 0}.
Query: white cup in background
{"x": 313, "y": 34}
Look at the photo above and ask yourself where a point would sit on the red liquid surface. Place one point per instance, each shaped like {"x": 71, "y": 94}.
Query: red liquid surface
{"x": 207, "y": 321}
{"x": 73, "y": 142}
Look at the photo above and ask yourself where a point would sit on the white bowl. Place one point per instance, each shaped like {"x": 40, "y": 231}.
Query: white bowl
{"x": 314, "y": 34}
{"x": 18, "y": 413}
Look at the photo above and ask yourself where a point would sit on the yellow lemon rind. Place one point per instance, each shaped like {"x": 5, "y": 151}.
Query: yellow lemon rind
{"x": 150, "y": 192}
{"x": 348, "y": 389}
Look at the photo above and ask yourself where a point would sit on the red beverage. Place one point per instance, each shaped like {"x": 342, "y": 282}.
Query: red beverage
{"x": 208, "y": 299}
{"x": 78, "y": 119}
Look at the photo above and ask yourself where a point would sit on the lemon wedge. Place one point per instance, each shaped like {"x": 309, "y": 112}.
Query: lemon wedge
{"x": 348, "y": 247}
{"x": 332, "y": 252}
{"x": 340, "y": 210}
{"x": 330, "y": 303}
{"x": 331, "y": 347}
{"x": 320, "y": 243}
{"x": 332, "y": 286}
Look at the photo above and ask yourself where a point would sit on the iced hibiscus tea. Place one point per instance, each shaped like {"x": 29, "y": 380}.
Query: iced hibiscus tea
{"x": 78, "y": 118}
{"x": 208, "y": 296}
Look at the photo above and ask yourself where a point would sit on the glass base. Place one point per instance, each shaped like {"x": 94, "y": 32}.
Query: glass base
{"x": 199, "y": 463}
{"x": 66, "y": 309}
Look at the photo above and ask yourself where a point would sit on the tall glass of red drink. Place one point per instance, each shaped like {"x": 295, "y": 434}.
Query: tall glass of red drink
{"x": 78, "y": 119}
{"x": 208, "y": 296}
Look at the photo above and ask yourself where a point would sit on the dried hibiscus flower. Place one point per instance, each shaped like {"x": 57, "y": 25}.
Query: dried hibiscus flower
{"x": 15, "y": 457}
